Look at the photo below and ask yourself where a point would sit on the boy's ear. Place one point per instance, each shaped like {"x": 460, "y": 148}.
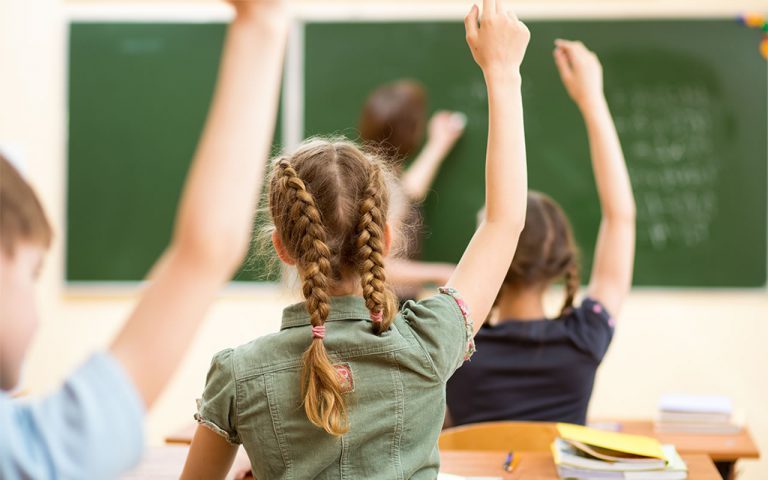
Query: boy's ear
{"x": 387, "y": 239}
{"x": 282, "y": 253}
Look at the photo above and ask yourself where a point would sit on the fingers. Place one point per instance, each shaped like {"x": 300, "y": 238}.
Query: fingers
{"x": 563, "y": 64}
{"x": 570, "y": 44}
{"x": 576, "y": 51}
{"x": 470, "y": 23}
{"x": 489, "y": 7}
{"x": 459, "y": 121}
{"x": 510, "y": 13}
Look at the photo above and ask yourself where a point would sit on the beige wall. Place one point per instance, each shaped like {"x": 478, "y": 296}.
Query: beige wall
{"x": 682, "y": 341}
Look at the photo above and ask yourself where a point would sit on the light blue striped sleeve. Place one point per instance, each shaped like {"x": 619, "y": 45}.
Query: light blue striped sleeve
{"x": 91, "y": 427}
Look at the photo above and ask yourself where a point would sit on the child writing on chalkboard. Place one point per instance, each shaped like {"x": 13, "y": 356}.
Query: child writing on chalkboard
{"x": 394, "y": 120}
{"x": 528, "y": 367}
{"x": 91, "y": 427}
{"x": 351, "y": 387}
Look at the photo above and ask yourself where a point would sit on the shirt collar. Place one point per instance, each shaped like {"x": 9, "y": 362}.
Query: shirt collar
{"x": 342, "y": 308}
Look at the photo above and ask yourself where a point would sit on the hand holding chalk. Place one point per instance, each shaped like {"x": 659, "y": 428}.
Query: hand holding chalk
{"x": 445, "y": 128}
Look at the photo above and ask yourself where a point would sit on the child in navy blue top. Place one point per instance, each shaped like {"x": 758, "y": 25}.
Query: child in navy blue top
{"x": 533, "y": 370}
{"x": 528, "y": 367}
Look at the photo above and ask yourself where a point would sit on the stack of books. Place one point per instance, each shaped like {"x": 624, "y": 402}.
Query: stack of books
{"x": 697, "y": 414}
{"x": 583, "y": 453}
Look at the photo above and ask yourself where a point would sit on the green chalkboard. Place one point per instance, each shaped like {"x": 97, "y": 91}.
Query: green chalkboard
{"x": 689, "y": 99}
{"x": 138, "y": 97}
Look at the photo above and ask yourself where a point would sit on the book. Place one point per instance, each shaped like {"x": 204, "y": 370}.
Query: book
{"x": 575, "y": 455}
{"x": 696, "y": 404}
{"x": 622, "y": 444}
{"x": 703, "y": 429}
{"x": 696, "y": 414}
{"x": 675, "y": 469}
{"x": 679, "y": 417}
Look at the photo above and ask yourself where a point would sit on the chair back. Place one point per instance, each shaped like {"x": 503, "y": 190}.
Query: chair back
{"x": 496, "y": 436}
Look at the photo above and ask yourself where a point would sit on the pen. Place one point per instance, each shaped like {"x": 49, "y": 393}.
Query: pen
{"x": 511, "y": 461}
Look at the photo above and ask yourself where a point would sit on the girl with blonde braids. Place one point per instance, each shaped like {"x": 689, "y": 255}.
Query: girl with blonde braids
{"x": 530, "y": 367}
{"x": 351, "y": 387}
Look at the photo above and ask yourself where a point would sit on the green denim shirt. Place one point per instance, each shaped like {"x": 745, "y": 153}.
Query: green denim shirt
{"x": 395, "y": 399}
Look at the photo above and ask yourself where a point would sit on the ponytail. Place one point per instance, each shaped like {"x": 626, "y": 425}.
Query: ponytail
{"x": 321, "y": 389}
{"x": 571, "y": 280}
{"x": 379, "y": 298}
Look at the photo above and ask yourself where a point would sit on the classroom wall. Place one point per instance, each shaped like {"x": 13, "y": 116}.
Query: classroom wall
{"x": 683, "y": 341}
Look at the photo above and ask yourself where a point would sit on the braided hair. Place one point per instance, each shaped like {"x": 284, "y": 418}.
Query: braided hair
{"x": 329, "y": 203}
{"x": 546, "y": 250}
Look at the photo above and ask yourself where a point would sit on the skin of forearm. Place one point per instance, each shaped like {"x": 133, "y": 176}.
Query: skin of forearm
{"x": 611, "y": 176}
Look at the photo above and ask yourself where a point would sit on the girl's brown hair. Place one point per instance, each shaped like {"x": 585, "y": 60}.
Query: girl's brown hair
{"x": 546, "y": 250}
{"x": 329, "y": 203}
{"x": 394, "y": 118}
{"x": 22, "y": 217}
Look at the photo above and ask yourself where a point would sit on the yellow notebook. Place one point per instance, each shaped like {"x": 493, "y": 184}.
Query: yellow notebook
{"x": 619, "y": 442}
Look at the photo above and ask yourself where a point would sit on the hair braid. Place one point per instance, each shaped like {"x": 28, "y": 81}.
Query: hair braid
{"x": 379, "y": 298}
{"x": 572, "y": 281}
{"x": 323, "y": 399}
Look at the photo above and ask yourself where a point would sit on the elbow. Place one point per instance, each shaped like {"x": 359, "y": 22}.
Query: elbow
{"x": 626, "y": 213}
{"x": 516, "y": 227}
{"x": 414, "y": 194}
{"x": 516, "y": 222}
{"x": 512, "y": 224}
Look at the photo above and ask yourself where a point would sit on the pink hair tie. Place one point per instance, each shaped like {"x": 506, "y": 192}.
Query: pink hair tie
{"x": 376, "y": 317}
{"x": 318, "y": 331}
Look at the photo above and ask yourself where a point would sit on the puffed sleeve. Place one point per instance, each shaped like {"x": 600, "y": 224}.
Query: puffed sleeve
{"x": 443, "y": 326}
{"x": 216, "y": 408}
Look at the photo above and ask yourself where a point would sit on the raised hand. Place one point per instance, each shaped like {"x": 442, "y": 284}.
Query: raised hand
{"x": 580, "y": 71}
{"x": 614, "y": 255}
{"x": 445, "y": 128}
{"x": 498, "y": 40}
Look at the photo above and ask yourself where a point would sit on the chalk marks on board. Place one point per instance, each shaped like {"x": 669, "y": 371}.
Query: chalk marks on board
{"x": 141, "y": 46}
{"x": 668, "y": 132}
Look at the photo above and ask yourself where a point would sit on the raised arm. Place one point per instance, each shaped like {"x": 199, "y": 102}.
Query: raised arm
{"x": 402, "y": 272}
{"x": 215, "y": 215}
{"x": 445, "y": 129}
{"x": 498, "y": 45}
{"x": 614, "y": 257}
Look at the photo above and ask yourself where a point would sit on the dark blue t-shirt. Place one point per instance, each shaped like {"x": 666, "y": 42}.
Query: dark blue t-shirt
{"x": 541, "y": 370}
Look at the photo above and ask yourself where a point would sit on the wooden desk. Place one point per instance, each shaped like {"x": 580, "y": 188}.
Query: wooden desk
{"x": 183, "y": 436}
{"x": 160, "y": 463}
{"x": 720, "y": 448}
{"x": 165, "y": 463}
{"x": 539, "y": 466}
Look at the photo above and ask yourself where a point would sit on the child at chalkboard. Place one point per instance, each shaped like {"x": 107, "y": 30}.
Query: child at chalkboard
{"x": 394, "y": 120}
{"x": 528, "y": 367}
{"x": 91, "y": 427}
{"x": 350, "y": 386}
